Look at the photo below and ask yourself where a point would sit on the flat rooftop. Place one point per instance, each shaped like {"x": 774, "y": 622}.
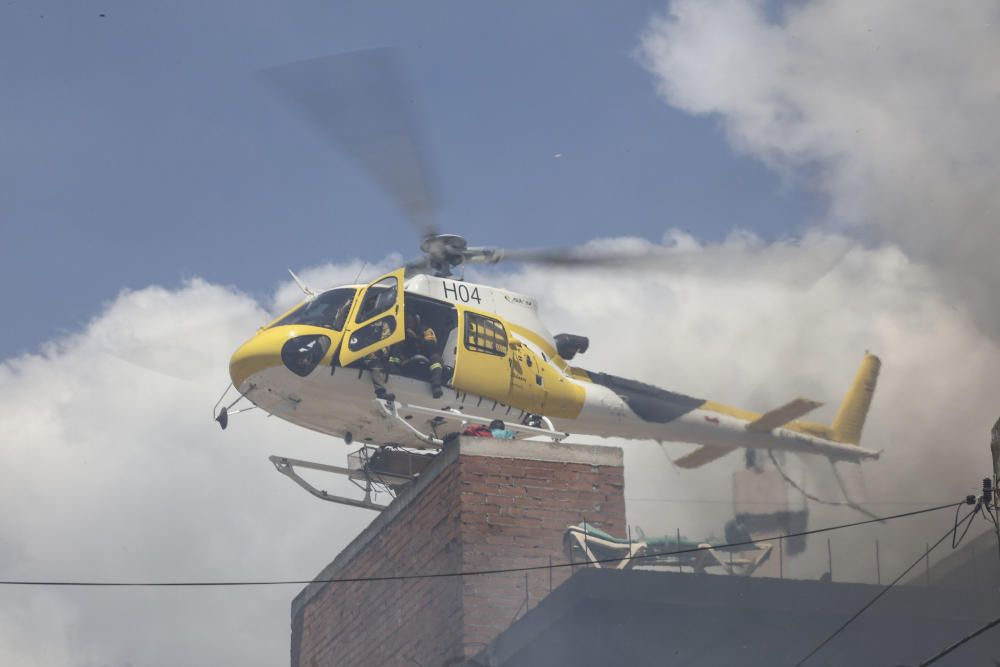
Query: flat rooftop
{"x": 609, "y": 617}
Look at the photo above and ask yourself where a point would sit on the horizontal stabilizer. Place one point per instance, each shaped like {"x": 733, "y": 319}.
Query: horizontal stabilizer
{"x": 701, "y": 456}
{"x": 780, "y": 416}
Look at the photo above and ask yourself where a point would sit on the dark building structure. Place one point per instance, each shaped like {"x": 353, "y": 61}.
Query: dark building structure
{"x": 485, "y": 504}
{"x": 481, "y": 504}
{"x": 609, "y": 617}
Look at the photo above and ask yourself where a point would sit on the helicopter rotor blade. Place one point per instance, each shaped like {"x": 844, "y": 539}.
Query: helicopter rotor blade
{"x": 782, "y": 263}
{"x": 360, "y": 100}
{"x": 573, "y": 257}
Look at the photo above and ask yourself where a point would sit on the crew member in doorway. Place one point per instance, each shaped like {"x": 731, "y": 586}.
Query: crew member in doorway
{"x": 420, "y": 340}
{"x": 377, "y": 363}
{"x": 377, "y": 366}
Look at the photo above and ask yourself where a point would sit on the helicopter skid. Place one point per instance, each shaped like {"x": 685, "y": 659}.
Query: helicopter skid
{"x": 287, "y": 468}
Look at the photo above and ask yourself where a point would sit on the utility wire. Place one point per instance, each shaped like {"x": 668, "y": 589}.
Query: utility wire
{"x": 834, "y": 503}
{"x": 956, "y": 540}
{"x": 961, "y": 641}
{"x": 762, "y": 503}
{"x": 468, "y": 573}
{"x": 885, "y": 590}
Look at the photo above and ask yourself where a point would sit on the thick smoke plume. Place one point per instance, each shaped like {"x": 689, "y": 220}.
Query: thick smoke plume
{"x": 888, "y": 108}
{"x": 115, "y": 471}
{"x": 119, "y": 473}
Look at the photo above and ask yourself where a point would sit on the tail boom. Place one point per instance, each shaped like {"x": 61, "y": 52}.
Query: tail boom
{"x": 617, "y": 407}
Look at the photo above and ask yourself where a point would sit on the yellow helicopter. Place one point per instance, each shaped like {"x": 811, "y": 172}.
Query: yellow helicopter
{"x": 418, "y": 355}
{"x": 312, "y": 366}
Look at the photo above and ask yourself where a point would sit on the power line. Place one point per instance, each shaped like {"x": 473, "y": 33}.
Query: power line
{"x": 468, "y": 573}
{"x": 885, "y": 590}
{"x": 762, "y": 503}
{"x": 833, "y": 503}
{"x": 961, "y": 641}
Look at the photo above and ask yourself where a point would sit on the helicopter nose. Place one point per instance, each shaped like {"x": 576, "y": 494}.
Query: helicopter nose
{"x": 300, "y": 352}
{"x": 261, "y": 352}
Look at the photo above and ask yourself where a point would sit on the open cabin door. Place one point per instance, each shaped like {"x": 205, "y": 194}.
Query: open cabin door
{"x": 482, "y": 363}
{"x": 376, "y": 320}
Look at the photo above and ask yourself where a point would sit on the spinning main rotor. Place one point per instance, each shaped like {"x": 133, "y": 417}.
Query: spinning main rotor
{"x": 362, "y": 103}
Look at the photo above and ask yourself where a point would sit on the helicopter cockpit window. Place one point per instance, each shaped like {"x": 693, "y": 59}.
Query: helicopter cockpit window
{"x": 379, "y": 298}
{"x": 485, "y": 334}
{"x": 372, "y": 333}
{"x": 328, "y": 310}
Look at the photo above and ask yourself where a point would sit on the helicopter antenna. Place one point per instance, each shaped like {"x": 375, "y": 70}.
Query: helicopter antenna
{"x": 358, "y": 277}
{"x": 302, "y": 285}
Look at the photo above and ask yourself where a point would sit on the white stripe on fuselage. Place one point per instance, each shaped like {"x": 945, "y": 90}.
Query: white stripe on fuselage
{"x": 344, "y": 402}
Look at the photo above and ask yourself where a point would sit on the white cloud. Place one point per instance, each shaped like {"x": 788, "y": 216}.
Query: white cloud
{"x": 889, "y": 108}
{"x": 752, "y": 341}
{"x": 114, "y": 472}
{"x": 119, "y": 473}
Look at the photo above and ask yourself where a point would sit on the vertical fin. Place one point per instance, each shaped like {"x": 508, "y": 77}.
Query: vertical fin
{"x": 851, "y": 416}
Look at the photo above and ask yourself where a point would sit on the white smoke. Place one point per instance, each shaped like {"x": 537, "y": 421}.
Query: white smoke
{"x": 888, "y": 108}
{"x": 115, "y": 471}
{"x": 118, "y": 473}
{"x": 755, "y": 342}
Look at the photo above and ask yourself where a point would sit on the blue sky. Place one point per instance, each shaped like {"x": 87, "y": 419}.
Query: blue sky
{"x": 138, "y": 147}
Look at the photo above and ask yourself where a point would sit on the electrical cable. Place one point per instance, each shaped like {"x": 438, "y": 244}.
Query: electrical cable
{"x": 468, "y": 573}
{"x": 885, "y": 590}
{"x": 961, "y": 641}
{"x": 969, "y": 518}
{"x": 834, "y": 503}
{"x": 761, "y": 503}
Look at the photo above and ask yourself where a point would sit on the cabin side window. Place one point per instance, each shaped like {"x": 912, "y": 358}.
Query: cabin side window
{"x": 485, "y": 334}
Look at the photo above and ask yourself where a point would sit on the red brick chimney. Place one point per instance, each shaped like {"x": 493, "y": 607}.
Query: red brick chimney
{"x": 481, "y": 504}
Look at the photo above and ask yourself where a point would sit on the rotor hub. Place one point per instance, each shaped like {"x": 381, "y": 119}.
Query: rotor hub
{"x": 444, "y": 251}
{"x": 444, "y": 245}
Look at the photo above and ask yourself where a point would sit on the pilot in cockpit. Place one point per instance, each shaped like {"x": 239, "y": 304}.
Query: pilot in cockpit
{"x": 340, "y": 318}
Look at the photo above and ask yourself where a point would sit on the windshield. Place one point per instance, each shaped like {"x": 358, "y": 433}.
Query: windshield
{"x": 328, "y": 310}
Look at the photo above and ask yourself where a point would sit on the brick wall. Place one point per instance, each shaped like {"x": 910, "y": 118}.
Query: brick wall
{"x": 481, "y": 504}
{"x": 513, "y": 514}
